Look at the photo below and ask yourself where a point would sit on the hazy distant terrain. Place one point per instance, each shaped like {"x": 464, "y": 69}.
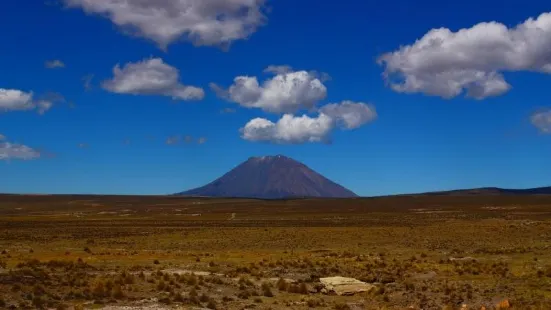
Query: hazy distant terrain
{"x": 495, "y": 191}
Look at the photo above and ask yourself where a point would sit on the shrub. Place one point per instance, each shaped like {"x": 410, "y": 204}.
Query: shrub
{"x": 227, "y": 299}
{"x": 204, "y": 298}
{"x": 38, "y": 302}
{"x": 161, "y": 286}
{"x": 211, "y": 304}
{"x": 244, "y": 295}
{"x": 118, "y": 293}
{"x": 194, "y": 300}
{"x": 341, "y": 306}
{"x": 99, "y": 290}
{"x": 266, "y": 290}
{"x": 245, "y": 281}
{"x": 313, "y": 303}
{"x": 165, "y": 301}
{"x": 282, "y": 285}
{"x": 191, "y": 279}
{"x": 302, "y": 289}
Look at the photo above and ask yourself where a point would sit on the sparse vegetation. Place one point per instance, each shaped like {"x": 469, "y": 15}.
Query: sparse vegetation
{"x": 426, "y": 252}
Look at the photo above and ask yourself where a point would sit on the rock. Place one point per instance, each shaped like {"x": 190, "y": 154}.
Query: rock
{"x": 345, "y": 286}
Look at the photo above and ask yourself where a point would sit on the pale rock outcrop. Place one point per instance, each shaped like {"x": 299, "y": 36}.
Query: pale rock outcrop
{"x": 345, "y": 286}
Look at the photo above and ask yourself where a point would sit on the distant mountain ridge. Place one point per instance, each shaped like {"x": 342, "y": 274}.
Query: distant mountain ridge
{"x": 271, "y": 177}
{"x": 494, "y": 191}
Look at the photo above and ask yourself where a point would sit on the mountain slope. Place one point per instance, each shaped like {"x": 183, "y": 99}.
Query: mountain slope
{"x": 271, "y": 177}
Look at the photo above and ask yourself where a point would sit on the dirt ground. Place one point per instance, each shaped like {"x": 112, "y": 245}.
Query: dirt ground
{"x": 417, "y": 252}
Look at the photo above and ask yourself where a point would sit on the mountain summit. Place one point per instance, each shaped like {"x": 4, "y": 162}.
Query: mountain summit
{"x": 271, "y": 177}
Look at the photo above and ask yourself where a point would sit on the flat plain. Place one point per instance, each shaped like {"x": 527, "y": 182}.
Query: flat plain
{"x": 161, "y": 252}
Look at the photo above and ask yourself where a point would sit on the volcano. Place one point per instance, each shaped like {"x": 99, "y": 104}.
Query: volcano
{"x": 271, "y": 177}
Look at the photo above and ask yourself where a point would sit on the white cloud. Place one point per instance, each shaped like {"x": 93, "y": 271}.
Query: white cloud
{"x": 202, "y": 140}
{"x": 349, "y": 114}
{"x": 54, "y": 64}
{"x": 278, "y": 69}
{"x": 282, "y": 69}
{"x": 289, "y": 129}
{"x": 202, "y": 22}
{"x": 542, "y": 121}
{"x": 17, "y": 100}
{"x": 2, "y": 137}
{"x": 151, "y": 77}
{"x": 286, "y": 92}
{"x": 446, "y": 63}
{"x": 10, "y": 151}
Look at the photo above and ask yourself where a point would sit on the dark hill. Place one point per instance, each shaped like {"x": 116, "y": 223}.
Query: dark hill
{"x": 271, "y": 177}
{"x": 489, "y": 191}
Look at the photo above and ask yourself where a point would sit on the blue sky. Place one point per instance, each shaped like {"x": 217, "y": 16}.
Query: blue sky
{"x": 425, "y": 134}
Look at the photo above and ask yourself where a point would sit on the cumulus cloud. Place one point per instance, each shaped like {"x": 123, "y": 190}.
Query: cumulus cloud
{"x": 16, "y": 151}
{"x": 17, "y": 100}
{"x": 54, "y": 64}
{"x": 302, "y": 129}
{"x": 282, "y": 69}
{"x": 151, "y": 77}
{"x": 349, "y": 114}
{"x": 202, "y": 22}
{"x": 289, "y": 129}
{"x": 286, "y": 92}
{"x": 542, "y": 121}
{"x": 470, "y": 61}
{"x": 53, "y": 97}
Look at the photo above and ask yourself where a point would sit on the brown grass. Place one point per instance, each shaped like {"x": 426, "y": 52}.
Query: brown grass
{"x": 421, "y": 251}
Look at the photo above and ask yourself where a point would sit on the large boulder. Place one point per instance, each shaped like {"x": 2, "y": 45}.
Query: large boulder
{"x": 345, "y": 286}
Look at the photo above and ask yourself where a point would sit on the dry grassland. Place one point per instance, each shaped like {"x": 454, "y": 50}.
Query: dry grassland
{"x": 419, "y": 252}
